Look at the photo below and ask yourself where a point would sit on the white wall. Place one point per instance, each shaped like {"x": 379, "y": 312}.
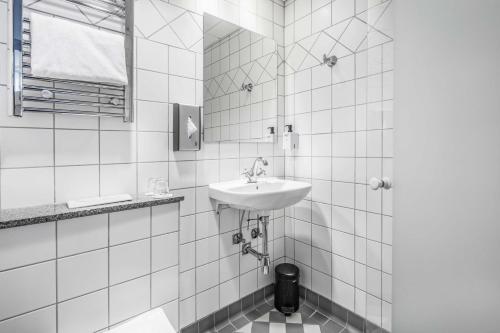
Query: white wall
{"x": 340, "y": 235}
{"x": 447, "y": 162}
{"x": 46, "y": 158}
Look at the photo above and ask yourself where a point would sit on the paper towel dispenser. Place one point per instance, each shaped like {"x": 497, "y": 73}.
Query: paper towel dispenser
{"x": 187, "y": 127}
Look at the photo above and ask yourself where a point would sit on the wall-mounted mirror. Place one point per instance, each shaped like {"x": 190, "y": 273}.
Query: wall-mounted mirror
{"x": 239, "y": 83}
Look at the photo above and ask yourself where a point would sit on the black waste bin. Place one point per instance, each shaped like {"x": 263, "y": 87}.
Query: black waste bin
{"x": 286, "y": 288}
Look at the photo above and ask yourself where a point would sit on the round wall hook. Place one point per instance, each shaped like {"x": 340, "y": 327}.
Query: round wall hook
{"x": 376, "y": 183}
{"x": 330, "y": 61}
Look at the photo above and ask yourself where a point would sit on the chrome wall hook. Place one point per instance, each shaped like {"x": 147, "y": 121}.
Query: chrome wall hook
{"x": 330, "y": 61}
{"x": 248, "y": 87}
{"x": 376, "y": 183}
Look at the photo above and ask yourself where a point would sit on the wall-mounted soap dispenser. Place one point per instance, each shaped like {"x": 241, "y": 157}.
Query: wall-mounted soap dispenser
{"x": 290, "y": 139}
{"x": 269, "y": 136}
{"x": 187, "y": 127}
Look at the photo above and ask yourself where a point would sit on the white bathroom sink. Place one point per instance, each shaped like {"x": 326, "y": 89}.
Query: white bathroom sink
{"x": 266, "y": 194}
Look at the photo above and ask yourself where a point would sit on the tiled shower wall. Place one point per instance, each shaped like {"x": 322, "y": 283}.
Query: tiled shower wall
{"x": 46, "y": 159}
{"x": 340, "y": 236}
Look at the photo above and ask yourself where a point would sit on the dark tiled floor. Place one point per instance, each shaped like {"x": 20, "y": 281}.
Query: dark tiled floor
{"x": 263, "y": 318}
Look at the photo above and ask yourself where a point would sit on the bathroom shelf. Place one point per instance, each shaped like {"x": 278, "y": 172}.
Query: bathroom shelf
{"x": 17, "y": 217}
{"x": 50, "y": 95}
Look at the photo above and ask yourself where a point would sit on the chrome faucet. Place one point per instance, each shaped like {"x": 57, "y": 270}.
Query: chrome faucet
{"x": 256, "y": 170}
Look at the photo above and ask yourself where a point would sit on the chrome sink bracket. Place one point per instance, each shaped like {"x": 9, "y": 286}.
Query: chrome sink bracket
{"x": 238, "y": 237}
{"x": 219, "y": 206}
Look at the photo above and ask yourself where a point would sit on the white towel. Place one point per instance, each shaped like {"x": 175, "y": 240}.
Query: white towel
{"x": 67, "y": 50}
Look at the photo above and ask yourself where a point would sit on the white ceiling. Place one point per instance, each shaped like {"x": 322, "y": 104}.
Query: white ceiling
{"x": 215, "y": 29}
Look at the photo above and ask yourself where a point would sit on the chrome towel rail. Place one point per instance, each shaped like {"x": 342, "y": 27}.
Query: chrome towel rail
{"x": 49, "y": 95}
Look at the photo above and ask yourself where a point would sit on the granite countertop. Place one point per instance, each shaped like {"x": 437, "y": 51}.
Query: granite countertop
{"x": 16, "y": 217}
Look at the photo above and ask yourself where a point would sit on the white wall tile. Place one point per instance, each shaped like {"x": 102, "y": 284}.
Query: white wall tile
{"x": 76, "y": 147}
{"x": 152, "y": 56}
{"x": 182, "y": 90}
{"x": 152, "y": 116}
{"x": 128, "y": 261}
{"x": 207, "y": 276}
{"x": 207, "y": 172}
{"x": 26, "y": 147}
{"x": 26, "y": 187}
{"x": 207, "y": 302}
{"x": 165, "y": 251}
{"x": 229, "y": 268}
{"x": 148, "y": 170}
{"x": 343, "y": 219}
{"x": 164, "y": 286}
{"x": 321, "y": 99}
{"x": 321, "y": 260}
{"x": 117, "y": 147}
{"x": 248, "y": 283}
{"x": 321, "y": 237}
{"x": 203, "y": 201}
{"x": 129, "y": 225}
{"x": 76, "y": 182}
{"x": 374, "y": 254}
{"x": 229, "y": 292}
{"x": 187, "y": 284}
{"x": 321, "y": 283}
{"x": 343, "y": 144}
{"x": 182, "y": 174}
{"x": 27, "y": 245}
{"x": 302, "y": 253}
{"x": 164, "y": 219}
{"x": 343, "y": 269}
{"x": 87, "y": 313}
{"x": 82, "y": 234}
{"x": 83, "y": 273}
{"x": 343, "y": 119}
{"x": 187, "y": 309}
{"x": 343, "y": 94}
{"x": 321, "y": 18}
{"x": 129, "y": 299}
{"x": 39, "y": 321}
{"x": 152, "y": 146}
{"x": 343, "y": 244}
{"x": 188, "y": 229}
{"x": 207, "y": 250}
{"x": 152, "y": 86}
{"x": 181, "y": 62}
{"x": 187, "y": 256}
{"x": 207, "y": 224}
{"x": 118, "y": 179}
{"x": 28, "y": 288}
{"x": 343, "y": 294}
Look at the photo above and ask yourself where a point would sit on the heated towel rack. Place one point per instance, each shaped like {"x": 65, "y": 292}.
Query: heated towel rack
{"x": 49, "y": 95}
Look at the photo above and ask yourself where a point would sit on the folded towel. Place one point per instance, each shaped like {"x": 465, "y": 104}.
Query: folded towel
{"x": 67, "y": 50}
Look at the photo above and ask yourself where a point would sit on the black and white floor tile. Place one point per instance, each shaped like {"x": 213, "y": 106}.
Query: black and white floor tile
{"x": 264, "y": 318}
{"x": 276, "y": 322}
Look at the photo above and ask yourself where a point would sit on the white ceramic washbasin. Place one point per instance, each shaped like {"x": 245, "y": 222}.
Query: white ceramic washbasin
{"x": 266, "y": 194}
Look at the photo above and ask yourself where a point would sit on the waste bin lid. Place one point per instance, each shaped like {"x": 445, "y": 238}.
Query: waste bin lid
{"x": 287, "y": 270}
